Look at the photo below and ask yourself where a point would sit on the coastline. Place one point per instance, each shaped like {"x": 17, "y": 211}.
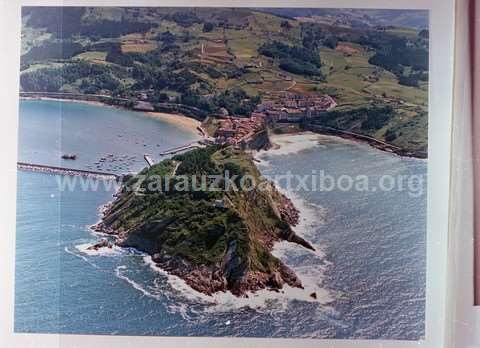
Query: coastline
{"x": 310, "y": 135}
{"x": 372, "y": 142}
{"x": 193, "y": 125}
{"x": 310, "y": 216}
{"x": 181, "y": 121}
{"x": 292, "y": 143}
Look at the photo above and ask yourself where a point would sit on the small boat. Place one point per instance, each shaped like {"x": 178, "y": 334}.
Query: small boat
{"x": 68, "y": 156}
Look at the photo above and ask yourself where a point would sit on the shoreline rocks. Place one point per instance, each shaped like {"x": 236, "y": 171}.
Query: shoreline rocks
{"x": 103, "y": 243}
{"x": 289, "y": 213}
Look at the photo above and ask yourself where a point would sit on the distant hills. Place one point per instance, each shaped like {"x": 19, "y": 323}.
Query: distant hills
{"x": 360, "y": 17}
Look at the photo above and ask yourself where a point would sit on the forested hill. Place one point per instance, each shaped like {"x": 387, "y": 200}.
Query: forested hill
{"x": 231, "y": 59}
{"x": 216, "y": 240}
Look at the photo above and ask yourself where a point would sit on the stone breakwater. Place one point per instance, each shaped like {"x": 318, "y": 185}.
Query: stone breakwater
{"x": 378, "y": 144}
{"x": 66, "y": 171}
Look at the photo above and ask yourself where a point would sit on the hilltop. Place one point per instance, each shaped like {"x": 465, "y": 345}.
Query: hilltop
{"x": 223, "y": 61}
{"x": 216, "y": 240}
{"x": 357, "y": 18}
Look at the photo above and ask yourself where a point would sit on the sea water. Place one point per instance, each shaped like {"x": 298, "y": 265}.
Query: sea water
{"x": 103, "y": 138}
{"x": 368, "y": 270}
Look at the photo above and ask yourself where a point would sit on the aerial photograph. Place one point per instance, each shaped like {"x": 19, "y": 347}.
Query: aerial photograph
{"x": 222, "y": 172}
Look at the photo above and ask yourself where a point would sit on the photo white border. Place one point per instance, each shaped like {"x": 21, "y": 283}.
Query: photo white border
{"x": 440, "y": 107}
{"x": 463, "y": 318}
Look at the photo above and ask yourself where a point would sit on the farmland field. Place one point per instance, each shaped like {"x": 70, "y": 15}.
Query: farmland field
{"x": 202, "y": 52}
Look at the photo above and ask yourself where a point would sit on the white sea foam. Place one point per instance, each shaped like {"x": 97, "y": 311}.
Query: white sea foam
{"x": 178, "y": 283}
{"x": 79, "y": 255}
{"x": 119, "y": 272}
{"x": 311, "y": 219}
{"x": 260, "y": 161}
{"x": 312, "y": 273}
{"x": 260, "y": 300}
{"x": 311, "y": 215}
{"x": 263, "y": 300}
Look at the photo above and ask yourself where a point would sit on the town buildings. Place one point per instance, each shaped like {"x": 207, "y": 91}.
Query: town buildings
{"x": 290, "y": 107}
{"x": 281, "y": 107}
{"x": 234, "y": 130}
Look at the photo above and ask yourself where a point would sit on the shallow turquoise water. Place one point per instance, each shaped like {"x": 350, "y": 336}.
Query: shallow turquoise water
{"x": 369, "y": 268}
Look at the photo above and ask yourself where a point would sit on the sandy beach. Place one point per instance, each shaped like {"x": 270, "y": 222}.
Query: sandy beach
{"x": 178, "y": 120}
{"x": 284, "y": 144}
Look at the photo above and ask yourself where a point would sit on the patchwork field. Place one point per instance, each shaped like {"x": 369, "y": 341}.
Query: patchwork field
{"x": 192, "y": 55}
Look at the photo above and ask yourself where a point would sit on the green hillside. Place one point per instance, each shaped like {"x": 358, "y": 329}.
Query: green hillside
{"x": 210, "y": 59}
{"x": 218, "y": 237}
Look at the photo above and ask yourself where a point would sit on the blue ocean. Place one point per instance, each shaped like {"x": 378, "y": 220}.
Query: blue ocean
{"x": 368, "y": 270}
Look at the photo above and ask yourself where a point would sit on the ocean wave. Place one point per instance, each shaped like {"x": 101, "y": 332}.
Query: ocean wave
{"x": 263, "y": 300}
{"x": 310, "y": 268}
{"x": 119, "y": 272}
{"x": 178, "y": 283}
{"x": 261, "y": 161}
{"x": 77, "y": 254}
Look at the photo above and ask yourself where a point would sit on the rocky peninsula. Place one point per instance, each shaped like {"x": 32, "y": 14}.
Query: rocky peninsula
{"x": 217, "y": 240}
